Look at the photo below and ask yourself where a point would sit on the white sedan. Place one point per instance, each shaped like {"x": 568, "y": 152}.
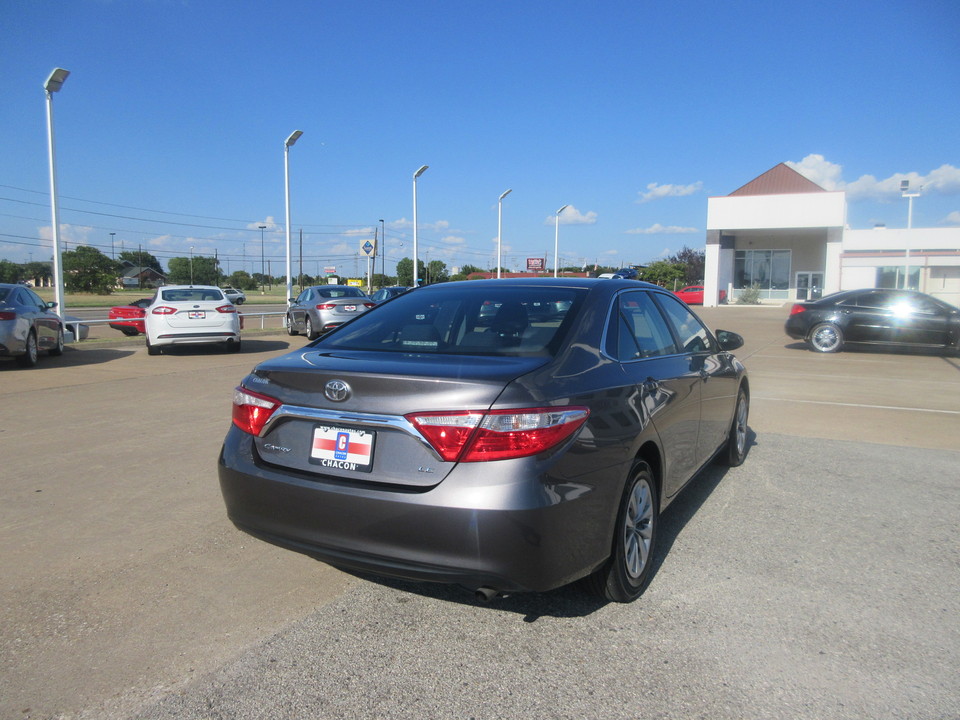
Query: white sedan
{"x": 189, "y": 315}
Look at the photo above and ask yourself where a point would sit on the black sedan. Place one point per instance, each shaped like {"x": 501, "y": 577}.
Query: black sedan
{"x": 875, "y": 317}
{"x": 518, "y": 452}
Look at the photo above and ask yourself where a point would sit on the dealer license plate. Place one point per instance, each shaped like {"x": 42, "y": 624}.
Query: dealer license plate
{"x": 350, "y": 308}
{"x": 342, "y": 448}
{"x": 197, "y": 314}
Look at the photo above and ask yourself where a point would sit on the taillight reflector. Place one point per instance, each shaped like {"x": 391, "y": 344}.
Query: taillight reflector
{"x": 163, "y": 310}
{"x": 5, "y": 315}
{"x": 228, "y": 308}
{"x": 326, "y": 306}
{"x": 252, "y": 410}
{"x": 476, "y": 436}
{"x": 797, "y": 309}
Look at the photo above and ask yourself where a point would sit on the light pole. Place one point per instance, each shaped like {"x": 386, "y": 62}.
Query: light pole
{"x": 262, "y": 228}
{"x": 383, "y": 252}
{"x": 52, "y": 85}
{"x": 905, "y": 192}
{"x": 191, "y": 264}
{"x": 113, "y": 253}
{"x": 416, "y": 269}
{"x": 500, "y": 226}
{"x": 287, "y": 144}
{"x": 556, "y": 242}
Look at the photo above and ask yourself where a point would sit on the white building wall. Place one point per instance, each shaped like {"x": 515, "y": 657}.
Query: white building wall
{"x": 774, "y": 212}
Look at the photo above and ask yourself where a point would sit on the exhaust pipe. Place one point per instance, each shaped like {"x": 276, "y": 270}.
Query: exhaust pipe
{"x": 486, "y": 594}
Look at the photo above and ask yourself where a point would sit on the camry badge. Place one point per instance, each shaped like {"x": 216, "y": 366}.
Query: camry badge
{"x": 336, "y": 390}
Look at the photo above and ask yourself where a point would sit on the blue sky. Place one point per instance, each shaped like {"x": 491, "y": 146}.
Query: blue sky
{"x": 171, "y": 125}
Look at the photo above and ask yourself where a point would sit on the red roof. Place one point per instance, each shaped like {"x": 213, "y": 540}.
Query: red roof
{"x": 778, "y": 180}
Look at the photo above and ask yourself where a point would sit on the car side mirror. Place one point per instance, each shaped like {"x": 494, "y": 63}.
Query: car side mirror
{"x": 729, "y": 340}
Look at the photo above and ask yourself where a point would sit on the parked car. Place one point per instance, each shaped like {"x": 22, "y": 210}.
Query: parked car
{"x": 693, "y": 295}
{"x": 237, "y": 297}
{"x": 322, "y": 307}
{"x": 129, "y": 318}
{"x": 384, "y": 294}
{"x": 875, "y": 317}
{"x": 621, "y": 274}
{"x": 516, "y": 455}
{"x": 28, "y": 325}
{"x": 189, "y": 315}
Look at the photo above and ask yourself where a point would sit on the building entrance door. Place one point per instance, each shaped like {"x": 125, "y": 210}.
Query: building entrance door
{"x": 809, "y": 285}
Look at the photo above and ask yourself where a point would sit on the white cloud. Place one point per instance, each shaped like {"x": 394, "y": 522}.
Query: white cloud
{"x": 271, "y": 225}
{"x": 953, "y": 218}
{"x": 404, "y": 224}
{"x": 452, "y": 240}
{"x": 658, "y": 229}
{"x": 572, "y": 216}
{"x": 655, "y": 191}
{"x": 944, "y": 180}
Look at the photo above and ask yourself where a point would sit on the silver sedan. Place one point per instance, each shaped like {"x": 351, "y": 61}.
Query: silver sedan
{"x": 323, "y": 307}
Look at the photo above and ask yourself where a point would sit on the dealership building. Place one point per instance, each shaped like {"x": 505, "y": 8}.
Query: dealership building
{"x": 786, "y": 237}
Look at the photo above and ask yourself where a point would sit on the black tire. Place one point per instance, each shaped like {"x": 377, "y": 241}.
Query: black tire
{"x": 129, "y": 331}
{"x": 152, "y": 349}
{"x": 289, "y": 324}
{"x": 625, "y": 575}
{"x": 29, "y": 358}
{"x": 826, "y": 338}
{"x": 735, "y": 451}
{"x": 310, "y": 332}
{"x": 233, "y": 346}
{"x": 57, "y": 349}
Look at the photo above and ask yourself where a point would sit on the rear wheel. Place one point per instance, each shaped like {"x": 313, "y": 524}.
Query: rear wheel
{"x": 826, "y": 338}
{"x": 626, "y": 573}
{"x": 309, "y": 330}
{"x": 29, "y": 358}
{"x": 233, "y": 345}
{"x": 152, "y": 349}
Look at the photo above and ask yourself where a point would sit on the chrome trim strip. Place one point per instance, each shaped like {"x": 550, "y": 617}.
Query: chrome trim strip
{"x": 392, "y": 422}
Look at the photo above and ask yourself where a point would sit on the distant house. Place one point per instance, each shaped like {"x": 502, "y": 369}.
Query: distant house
{"x": 133, "y": 276}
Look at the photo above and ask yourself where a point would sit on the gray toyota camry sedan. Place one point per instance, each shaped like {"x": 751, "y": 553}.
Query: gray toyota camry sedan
{"x": 505, "y": 435}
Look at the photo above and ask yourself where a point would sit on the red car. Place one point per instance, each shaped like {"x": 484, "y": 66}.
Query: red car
{"x": 131, "y": 317}
{"x": 693, "y": 294}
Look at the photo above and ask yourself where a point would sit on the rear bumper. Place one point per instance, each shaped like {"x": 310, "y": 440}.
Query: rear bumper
{"x": 511, "y": 531}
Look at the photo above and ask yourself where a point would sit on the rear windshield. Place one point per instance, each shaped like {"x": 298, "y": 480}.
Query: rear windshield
{"x": 479, "y": 319}
{"x": 3, "y": 293}
{"x": 191, "y": 295}
{"x": 339, "y": 292}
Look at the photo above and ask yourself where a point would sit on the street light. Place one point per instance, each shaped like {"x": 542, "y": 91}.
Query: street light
{"x": 113, "y": 253}
{"x": 383, "y": 251}
{"x": 500, "y": 225}
{"x": 52, "y": 85}
{"x": 262, "y": 228}
{"x": 287, "y": 144}
{"x": 905, "y": 192}
{"x": 416, "y": 269}
{"x": 556, "y": 242}
{"x": 191, "y": 264}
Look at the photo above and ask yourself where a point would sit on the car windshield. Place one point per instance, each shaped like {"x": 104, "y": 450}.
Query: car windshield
{"x": 191, "y": 295}
{"x": 480, "y": 320}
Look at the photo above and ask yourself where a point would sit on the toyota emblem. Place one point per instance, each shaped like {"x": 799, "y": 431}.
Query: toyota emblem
{"x": 336, "y": 390}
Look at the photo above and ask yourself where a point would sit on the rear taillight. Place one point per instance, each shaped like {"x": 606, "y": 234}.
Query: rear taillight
{"x": 475, "y": 436}
{"x": 7, "y": 315}
{"x": 228, "y": 308}
{"x": 252, "y": 410}
{"x": 163, "y": 310}
{"x": 369, "y": 305}
{"x": 797, "y": 309}
{"x": 326, "y": 306}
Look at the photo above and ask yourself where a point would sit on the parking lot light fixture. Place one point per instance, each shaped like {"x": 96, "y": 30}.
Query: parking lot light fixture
{"x": 500, "y": 227}
{"x": 262, "y": 265}
{"x": 416, "y": 269}
{"x": 287, "y": 144}
{"x": 52, "y": 85}
{"x": 556, "y": 242}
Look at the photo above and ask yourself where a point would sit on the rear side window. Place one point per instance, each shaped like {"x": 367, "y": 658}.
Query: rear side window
{"x": 690, "y": 332}
{"x": 480, "y": 320}
{"x": 638, "y": 329}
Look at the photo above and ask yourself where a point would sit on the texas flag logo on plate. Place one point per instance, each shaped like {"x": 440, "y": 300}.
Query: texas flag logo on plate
{"x": 342, "y": 448}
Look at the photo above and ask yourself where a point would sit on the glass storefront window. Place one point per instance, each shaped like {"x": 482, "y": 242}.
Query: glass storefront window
{"x": 892, "y": 277}
{"x": 769, "y": 270}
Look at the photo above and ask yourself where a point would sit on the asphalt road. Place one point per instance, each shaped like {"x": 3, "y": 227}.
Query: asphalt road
{"x": 819, "y": 580}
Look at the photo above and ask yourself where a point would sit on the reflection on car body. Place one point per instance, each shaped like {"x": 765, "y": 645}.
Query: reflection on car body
{"x": 505, "y": 452}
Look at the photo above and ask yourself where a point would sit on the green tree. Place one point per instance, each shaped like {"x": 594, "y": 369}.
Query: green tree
{"x": 405, "y": 271}
{"x": 437, "y": 272}
{"x": 138, "y": 258}
{"x": 86, "y": 269}
{"x": 470, "y": 269}
{"x": 693, "y": 262}
{"x": 664, "y": 273}
{"x": 10, "y": 272}
{"x": 241, "y": 280}
{"x": 37, "y": 271}
{"x": 205, "y": 270}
